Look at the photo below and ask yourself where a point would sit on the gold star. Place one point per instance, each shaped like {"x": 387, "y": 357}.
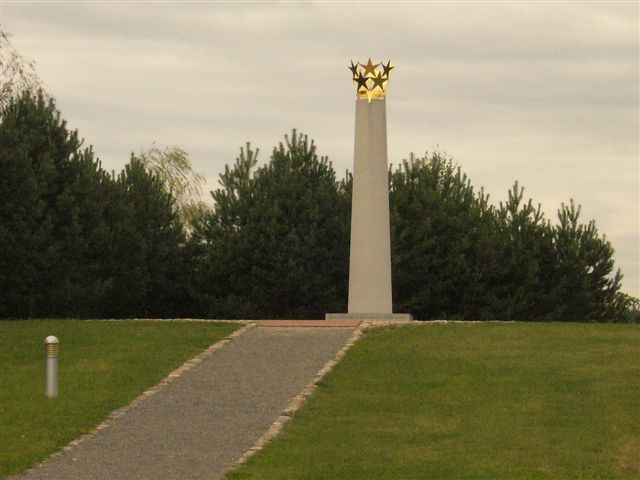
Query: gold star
{"x": 361, "y": 80}
{"x": 370, "y": 68}
{"x": 387, "y": 68}
{"x": 353, "y": 68}
{"x": 378, "y": 81}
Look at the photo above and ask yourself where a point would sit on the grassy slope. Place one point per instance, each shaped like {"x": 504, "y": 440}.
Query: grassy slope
{"x": 103, "y": 365}
{"x": 470, "y": 401}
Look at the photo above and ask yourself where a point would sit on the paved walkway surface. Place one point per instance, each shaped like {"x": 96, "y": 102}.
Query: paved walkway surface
{"x": 206, "y": 419}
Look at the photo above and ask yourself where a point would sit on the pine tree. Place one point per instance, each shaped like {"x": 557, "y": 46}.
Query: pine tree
{"x": 277, "y": 241}
{"x": 35, "y": 147}
{"x": 582, "y": 281}
{"x": 526, "y": 252}
{"x": 145, "y": 257}
{"x": 73, "y": 240}
{"x": 83, "y": 236}
{"x": 439, "y": 254}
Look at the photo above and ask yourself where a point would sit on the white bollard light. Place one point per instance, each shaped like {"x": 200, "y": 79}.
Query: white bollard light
{"x": 51, "y": 367}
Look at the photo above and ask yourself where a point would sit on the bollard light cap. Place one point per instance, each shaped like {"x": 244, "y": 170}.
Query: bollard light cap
{"x": 51, "y": 339}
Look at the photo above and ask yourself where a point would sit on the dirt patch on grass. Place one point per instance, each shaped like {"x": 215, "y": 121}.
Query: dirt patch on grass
{"x": 628, "y": 460}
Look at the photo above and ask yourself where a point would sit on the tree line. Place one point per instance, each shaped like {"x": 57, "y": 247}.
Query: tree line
{"x": 77, "y": 241}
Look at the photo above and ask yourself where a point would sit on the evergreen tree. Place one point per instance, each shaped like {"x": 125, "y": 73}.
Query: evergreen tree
{"x": 146, "y": 271}
{"x": 276, "y": 244}
{"x": 526, "y": 253}
{"x": 73, "y": 240}
{"x": 456, "y": 256}
{"x": 35, "y": 146}
{"x": 83, "y": 235}
{"x": 442, "y": 252}
{"x": 582, "y": 280}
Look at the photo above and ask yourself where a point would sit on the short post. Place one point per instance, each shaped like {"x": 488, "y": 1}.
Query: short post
{"x": 51, "y": 368}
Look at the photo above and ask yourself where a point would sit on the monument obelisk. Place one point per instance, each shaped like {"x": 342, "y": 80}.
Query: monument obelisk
{"x": 370, "y": 291}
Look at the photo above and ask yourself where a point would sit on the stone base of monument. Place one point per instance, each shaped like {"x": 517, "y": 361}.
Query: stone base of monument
{"x": 341, "y": 323}
{"x": 372, "y": 317}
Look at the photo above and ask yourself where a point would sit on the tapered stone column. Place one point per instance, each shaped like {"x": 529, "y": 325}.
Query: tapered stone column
{"x": 370, "y": 254}
{"x": 370, "y": 291}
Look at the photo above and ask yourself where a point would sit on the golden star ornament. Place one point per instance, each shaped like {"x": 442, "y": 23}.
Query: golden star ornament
{"x": 371, "y": 79}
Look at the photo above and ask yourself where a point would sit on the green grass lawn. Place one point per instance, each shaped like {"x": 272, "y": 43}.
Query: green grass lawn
{"x": 470, "y": 401}
{"x": 103, "y": 365}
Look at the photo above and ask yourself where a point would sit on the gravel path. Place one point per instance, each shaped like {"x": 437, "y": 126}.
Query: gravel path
{"x": 206, "y": 419}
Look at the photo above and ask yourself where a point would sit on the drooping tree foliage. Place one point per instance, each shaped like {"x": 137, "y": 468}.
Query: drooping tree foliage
{"x": 18, "y": 73}
{"x": 76, "y": 241}
{"x": 173, "y": 167}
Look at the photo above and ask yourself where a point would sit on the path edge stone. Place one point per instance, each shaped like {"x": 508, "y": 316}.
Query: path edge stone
{"x": 170, "y": 378}
{"x": 301, "y": 399}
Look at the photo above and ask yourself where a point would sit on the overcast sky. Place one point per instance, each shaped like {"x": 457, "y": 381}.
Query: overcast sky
{"x": 542, "y": 93}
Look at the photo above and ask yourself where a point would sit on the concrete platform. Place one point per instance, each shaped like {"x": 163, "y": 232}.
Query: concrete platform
{"x": 373, "y": 317}
{"x": 338, "y": 323}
